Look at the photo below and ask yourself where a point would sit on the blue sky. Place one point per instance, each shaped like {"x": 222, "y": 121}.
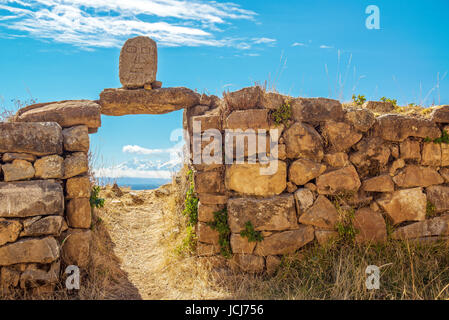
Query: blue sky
{"x": 68, "y": 49}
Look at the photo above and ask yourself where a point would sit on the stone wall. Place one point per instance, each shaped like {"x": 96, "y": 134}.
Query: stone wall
{"x": 387, "y": 170}
{"x": 45, "y": 212}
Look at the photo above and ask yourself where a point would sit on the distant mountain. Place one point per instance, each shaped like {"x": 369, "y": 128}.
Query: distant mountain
{"x": 139, "y": 174}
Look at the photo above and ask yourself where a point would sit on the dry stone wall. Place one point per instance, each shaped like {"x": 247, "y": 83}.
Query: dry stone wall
{"x": 45, "y": 213}
{"x": 383, "y": 168}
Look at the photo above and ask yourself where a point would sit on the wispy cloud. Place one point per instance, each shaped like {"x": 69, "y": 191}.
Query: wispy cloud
{"x": 298, "y": 44}
{"x": 145, "y": 151}
{"x": 107, "y": 23}
{"x": 323, "y": 46}
{"x": 264, "y": 41}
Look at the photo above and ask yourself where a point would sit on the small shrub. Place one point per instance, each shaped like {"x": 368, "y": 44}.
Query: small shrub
{"x": 283, "y": 114}
{"x": 220, "y": 224}
{"x": 251, "y": 234}
{"x": 191, "y": 202}
{"x": 443, "y": 139}
{"x": 393, "y": 101}
{"x": 95, "y": 200}
{"x": 358, "y": 100}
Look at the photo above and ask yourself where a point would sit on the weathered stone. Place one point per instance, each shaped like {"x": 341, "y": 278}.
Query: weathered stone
{"x": 33, "y": 278}
{"x": 370, "y": 226}
{"x": 9, "y": 230}
{"x": 302, "y": 171}
{"x": 340, "y": 135}
{"x": 322, "y": 214}
{"x": 78, "y": 187}
{"x": 410, "y": 150}
{"x": 336, "y": 160}
{"x": 444, "y": 172}
{"x": 210, "y": 198}
{"x": 282, "y": 152}
{"x": 444, "y": 154}
{"x": 325, "y": 236}
{"x": 379, "y": 106}
{"x": 51, "y": 225}
{"x": 207, "y": 121}
{"x": 439, "y": 197}
{"x": 76, "y": 248}
{"x": 304, "y": 199}
{"x": 345, "y": 180}
{"x": 361, "y": 119}
{"x": 156, "y": 84}
{"x": 431, "y": 154}
{"x": 119, "y": 102}
{"x": 9, "y": 278}
{"x": 248, "y": 263}
{"x": 241, "y": 245}
{"x": 248, "y": 119}
{"x": 394, "y": 148}
{"x": 66, "y": 113}
{"x": 206, "y": 211}
{"x": 291, "y": 187}
{"x": 273, "y": 263}
{"x": 371, "y": 156}
{"x": 18, "y": 170}
{"x": 405, "y": 205}
{"x": 382, "y": 183}
{"x": 395, "y": 127}
{"x": 269, "y": 214}
{"x": 440, "y": 114}
{"x": 417, "y": 176}
{"x": 138, "y": 62}
{"x": 209, "y": 181}
{"x": 397, "y": 164}
{"x": 246, "y": 98}
{"x": 79, "y": 213}
{"x": 438, "y": 226}
{"x": 31, "y": 198}
{"x": 11, "y": 156}
{"x": 75, "y": 164}
{"x": 302, "y": 141}
{"x": 285, "y": 242}
{"x": 32, "y": 138}
{"x": 316, "y": 109}
{"x": 273, "y": 100}
{"x": 43, "y": 250}
{"x": 248, "y": 178}
{"x": 76, "y": 138}
{"x": 206, "y": 249}
{"x": 206, "y": 234}
{"x": 49, "y": 167}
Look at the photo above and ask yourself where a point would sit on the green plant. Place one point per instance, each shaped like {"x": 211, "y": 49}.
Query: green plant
{"x": 188, "y": 244}
{"x": 392, "y": 101}
{"x": 251, "y": 234}
{"x": 283, "y": 114}
{"x": 95, "y": 200}
{"x": 191, "y": 202}
{"x": 358, "y": 100}
{"x": 344, "y": 225}
{"x": 430, "y": 210}
{"x": 443, "y": 139}
{"x": 220, "y": 224}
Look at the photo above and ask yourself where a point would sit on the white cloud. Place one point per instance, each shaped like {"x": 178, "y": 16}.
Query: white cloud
{"x": 141, "y": 150}
{"x": 298, "y": 44}
{"x": 107, "y": 23}
{"x": 323, "y": 46}
{"x": 264, "y": 41}
{"x": 132, "y": 173}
